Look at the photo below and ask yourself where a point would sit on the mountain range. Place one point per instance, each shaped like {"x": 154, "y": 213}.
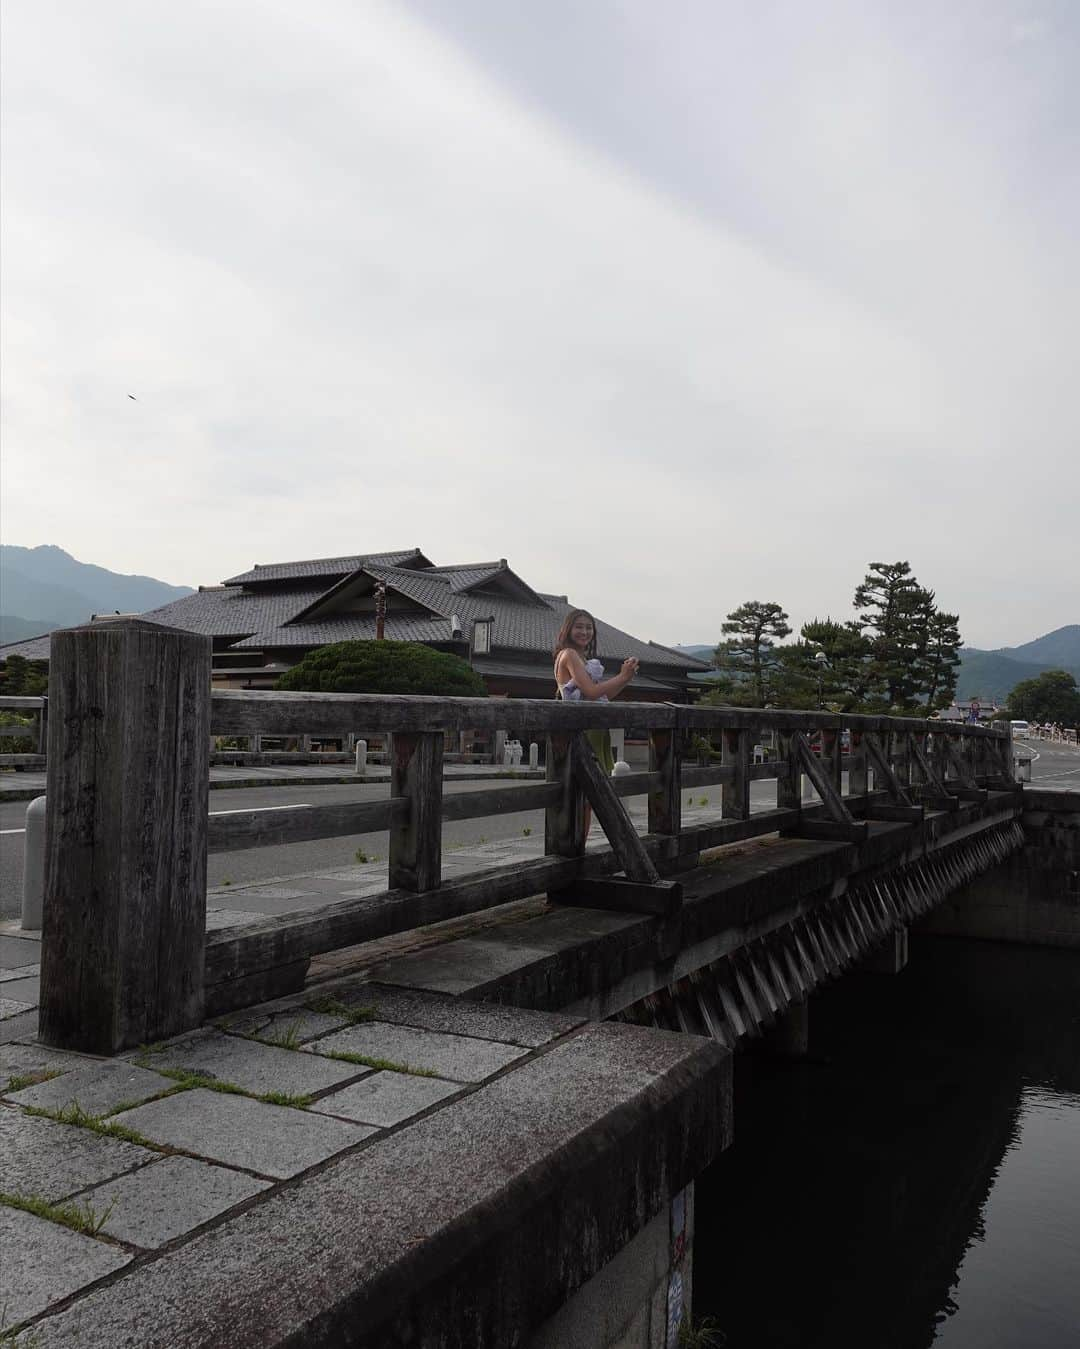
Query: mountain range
{"x": 991, "y": 675}
{"x": 45, "y": 588}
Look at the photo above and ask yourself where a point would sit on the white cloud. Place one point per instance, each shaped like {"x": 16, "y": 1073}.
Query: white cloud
{"x": 365, "y": 297}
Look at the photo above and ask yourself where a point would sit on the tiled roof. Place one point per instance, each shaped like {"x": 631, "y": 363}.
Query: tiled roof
{"x": 33, "y": 648}
{"x": 322, "y": 566}
{"x": 260, "y": 618}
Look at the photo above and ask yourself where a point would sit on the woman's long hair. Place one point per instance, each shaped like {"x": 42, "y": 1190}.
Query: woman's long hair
{"x": 562, "y": 641}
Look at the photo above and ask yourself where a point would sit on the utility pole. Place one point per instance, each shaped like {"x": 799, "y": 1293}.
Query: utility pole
{"x": 380, "y": 609}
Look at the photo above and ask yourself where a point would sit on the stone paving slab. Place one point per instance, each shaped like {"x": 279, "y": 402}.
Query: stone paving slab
{"x": 250, "y": 1064}
{"x": 44, "y": 1262}
{"x": 42, "y": 1158}
{"x": 484, "y": 1021}
{"x": 19, "y": 972}
{"x": 15, "y": 950}
{"x": 216, "y": 919}
{"x": 98, "y": 1088}
{"x": 449, "y": 1222}
{"x": 12, "y": 1007}
{"x": 272, "y": 1140}
{"x": 19, "y": 1059}
{"x": 457, "y": 1057}
{"x": 384, "y": 1099}
{"x": 24, "y": 990}
{"x": 297, "y": 1023}
{"x": 168, "y": 1198}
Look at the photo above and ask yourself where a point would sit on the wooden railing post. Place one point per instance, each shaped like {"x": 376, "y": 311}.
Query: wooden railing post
{"x": 788, "y": 772}
{"x": 124, "y": 920}
{"x": 831, "y": 759}
{"x": 858, "y": 768}
{"x": 416, "y": 840}
{"x": 665, "y": 803}
{"x": 735, "y": 751}
{"x": 564, "y": 823}
{"x": 43, "y": 727}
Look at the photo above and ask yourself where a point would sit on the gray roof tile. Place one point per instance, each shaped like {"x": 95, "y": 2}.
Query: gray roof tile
{"x": 259, "y": 619}
{"x": 320, "y": 566}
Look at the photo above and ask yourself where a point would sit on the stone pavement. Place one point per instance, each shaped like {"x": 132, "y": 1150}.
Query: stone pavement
{"x": 24, "y": 786}
{"x": 371, "y": 1158}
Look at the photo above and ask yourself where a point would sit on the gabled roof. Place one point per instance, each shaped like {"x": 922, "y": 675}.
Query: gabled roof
{"x": 360, "y": 582}
{"x": 262, "y": 573}
{"x": 283, "y": 607}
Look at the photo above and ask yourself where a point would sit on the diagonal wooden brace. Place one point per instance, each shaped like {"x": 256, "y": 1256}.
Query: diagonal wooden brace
{"x": 883, "y": 771}
{"x": 611, "y": 813}
{"x": 841, "y": 825}
{"x": 960, "y": 766}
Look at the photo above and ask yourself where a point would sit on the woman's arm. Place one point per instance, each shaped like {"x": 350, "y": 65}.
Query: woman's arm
{"x": 571, "y": 666}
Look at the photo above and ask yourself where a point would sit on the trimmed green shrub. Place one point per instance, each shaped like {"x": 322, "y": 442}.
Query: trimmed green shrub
{"x": 383, "y": 667}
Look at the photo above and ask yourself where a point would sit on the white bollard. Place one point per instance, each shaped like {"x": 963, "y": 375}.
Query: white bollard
{"x": 534, "y": 755}
{"x": 34, "y": 865}
{"x": 361, "y": 757}
{"x": 508, "y": 753}
{"x": 515, "y": 754}
{"x": 620, "y": 768}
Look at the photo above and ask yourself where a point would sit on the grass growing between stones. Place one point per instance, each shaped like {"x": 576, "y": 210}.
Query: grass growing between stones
{"x": 385, "y": 1065}
{"x": 703, "y": 1334}
{"x": 355, "y": 1016}
{"x": 188, "y": 1080}
{"x": 287, "y": 1038}
{"x": 17, "y": 1081}
{"x": 73, "y": 1113}
{"x": 80, "y": 1216}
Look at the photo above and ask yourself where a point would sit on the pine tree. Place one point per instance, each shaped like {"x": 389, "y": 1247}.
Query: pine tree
{"x": 749, "y": 654}
{"x": 895, "y": 626}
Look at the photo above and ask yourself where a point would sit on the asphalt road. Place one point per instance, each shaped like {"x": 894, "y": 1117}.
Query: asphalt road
{"x": 1052, "y": 767}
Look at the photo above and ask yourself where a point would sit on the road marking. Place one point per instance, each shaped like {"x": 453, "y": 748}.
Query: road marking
{"x": 255, "y": 810}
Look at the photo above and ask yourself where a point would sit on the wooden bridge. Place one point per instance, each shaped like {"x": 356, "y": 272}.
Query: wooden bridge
{"x": 674, "y": 926}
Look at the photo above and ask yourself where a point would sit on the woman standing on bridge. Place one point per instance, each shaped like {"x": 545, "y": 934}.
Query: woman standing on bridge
{"x": 579, "y": 677}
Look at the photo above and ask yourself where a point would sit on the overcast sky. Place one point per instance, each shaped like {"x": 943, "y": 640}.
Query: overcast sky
{"x": 671, "y": 305}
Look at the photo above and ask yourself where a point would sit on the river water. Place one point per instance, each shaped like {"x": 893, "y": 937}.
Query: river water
{"x": 917, "y": 1181}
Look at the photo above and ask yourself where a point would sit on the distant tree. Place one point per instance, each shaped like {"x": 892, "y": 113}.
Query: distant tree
{"x": 748, "y": 656}
{"x": 27, "y": 678}
{"x": 939, "y": 661}
{"x": 383, "y": 667}
{"x": 893, "y": 602}
{"x": 843, "y": 677}
{"x": 1052, "y": 696}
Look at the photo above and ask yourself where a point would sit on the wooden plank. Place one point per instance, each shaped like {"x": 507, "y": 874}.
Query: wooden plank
{"x": 416, "y": 773}
{"x": 735, "y": 748}
{"x": 295, "y": 936}
{"x": 124, "y": 923}
{"x": 925, "y": 772}
{"x": 831, "y": 760}
{"x": 888, "y": 810}
{"x": 665, "y": 798}
{"x": 43, "y": 727}
{"x": 231, "y": 995}
{"x": 833, "y": 831}
{"x": 960, "y": 767}
{"x": 21, "y": 702}
{"x": 500, "y": 801}
{"x": 663, "y": 898}
{"x": 298, "y": 824}
{"x": 823, "y": 785}
{"x": 695, "y": 775}
{"x": 611, "y": 812}
{"x": 22, "y": 760}
{"x": 884, "y": 777}
{"x": 722, "y": 832}
{"x": 243, "y": 712}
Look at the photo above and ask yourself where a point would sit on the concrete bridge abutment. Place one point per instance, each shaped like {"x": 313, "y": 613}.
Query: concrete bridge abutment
{"x": 1033, "y": 896}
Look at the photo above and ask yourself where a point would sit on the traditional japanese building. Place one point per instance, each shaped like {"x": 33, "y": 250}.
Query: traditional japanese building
{"x": 267, "y": 619}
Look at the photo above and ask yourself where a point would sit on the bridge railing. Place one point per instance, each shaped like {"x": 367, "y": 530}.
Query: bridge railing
{"x": 126, "y": 958}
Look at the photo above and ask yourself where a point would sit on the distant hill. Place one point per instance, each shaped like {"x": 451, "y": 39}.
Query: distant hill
{"x": 994, "y": 674}
{"x": 45, "y": 588}
{"x": 701, "y": 652}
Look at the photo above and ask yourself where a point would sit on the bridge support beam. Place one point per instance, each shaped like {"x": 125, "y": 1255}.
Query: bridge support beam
{"x": 789, "y": 1035}
{"x": 890, "y": 957}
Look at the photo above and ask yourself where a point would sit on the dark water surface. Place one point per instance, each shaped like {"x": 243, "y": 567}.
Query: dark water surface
{"x": 922, "y": 1184}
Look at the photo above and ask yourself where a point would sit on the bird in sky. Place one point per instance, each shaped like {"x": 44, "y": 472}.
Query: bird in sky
{"x": 133, "y": 398}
